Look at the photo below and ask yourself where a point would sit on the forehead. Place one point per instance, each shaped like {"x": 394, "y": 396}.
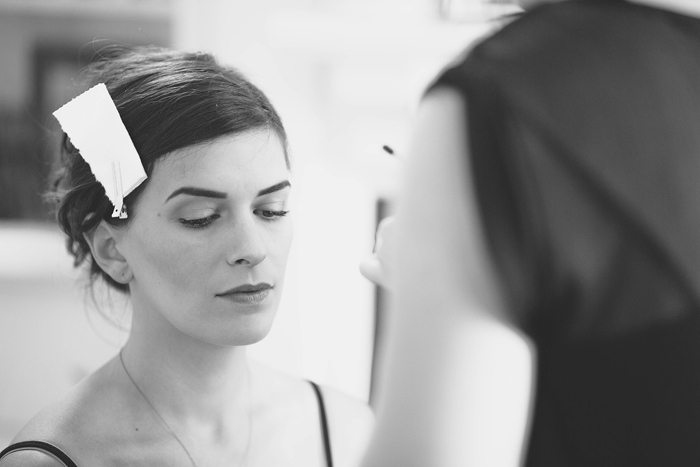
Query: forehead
{"x": 237, "y": 161}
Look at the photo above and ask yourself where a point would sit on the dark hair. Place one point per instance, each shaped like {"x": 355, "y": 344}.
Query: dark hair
{"x": 167, "y": 100}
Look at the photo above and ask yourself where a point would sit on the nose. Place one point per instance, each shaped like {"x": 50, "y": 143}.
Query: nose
{"x": 248, "y": 247}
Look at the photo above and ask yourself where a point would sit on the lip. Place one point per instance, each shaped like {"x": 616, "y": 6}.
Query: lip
{"x": 247, "y": 293}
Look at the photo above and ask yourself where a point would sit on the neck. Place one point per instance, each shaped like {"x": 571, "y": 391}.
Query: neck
{"x": 189, "y": 382}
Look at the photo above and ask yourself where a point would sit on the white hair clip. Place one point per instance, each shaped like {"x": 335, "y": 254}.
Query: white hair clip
{"x": 93, "y": 124}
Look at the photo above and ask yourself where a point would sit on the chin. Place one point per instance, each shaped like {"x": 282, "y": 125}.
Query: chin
{"x": 248, "y": 332}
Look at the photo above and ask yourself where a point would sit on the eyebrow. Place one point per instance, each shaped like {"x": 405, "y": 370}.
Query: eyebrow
{"x": 273, "y": 188}
{"x": 194, "y": 191}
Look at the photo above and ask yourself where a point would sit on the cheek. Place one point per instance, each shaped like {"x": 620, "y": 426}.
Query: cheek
{"x": 281, "y": 243}
{"x": 165, "y": 262}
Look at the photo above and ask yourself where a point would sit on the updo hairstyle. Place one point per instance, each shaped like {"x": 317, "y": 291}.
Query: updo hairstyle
{"x": 167, "y": 100}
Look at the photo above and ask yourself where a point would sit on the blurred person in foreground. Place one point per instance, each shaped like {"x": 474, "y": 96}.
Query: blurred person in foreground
{"x": 546, "y": 261}
{"x": 201, "y": 253}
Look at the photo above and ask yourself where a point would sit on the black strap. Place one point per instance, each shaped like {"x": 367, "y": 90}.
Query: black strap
{"x": 324, "y": 424}
{"x": 39, "y": 446}
{"x": 63, "y": 457}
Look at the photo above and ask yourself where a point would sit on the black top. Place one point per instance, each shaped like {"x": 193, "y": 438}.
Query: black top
{"x": 68, "y": 462}
{"x": 584, "y": 126}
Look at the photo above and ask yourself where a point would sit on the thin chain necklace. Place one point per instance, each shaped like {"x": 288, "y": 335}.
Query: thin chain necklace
{"x": 172, "y": 433}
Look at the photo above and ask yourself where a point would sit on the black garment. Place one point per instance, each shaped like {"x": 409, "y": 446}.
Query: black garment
{"x": 584, "y": 126}
{"x": 63, "y": 457}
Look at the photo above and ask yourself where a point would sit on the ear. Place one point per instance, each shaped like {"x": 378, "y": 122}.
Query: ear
{"x": 104, "y": 242}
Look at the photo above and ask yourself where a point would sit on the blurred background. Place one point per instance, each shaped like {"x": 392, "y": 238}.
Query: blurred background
{"x": 346, "y": 76}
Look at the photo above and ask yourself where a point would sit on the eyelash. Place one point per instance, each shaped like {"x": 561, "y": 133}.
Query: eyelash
{"x": 274, "y": 214}
{"x": 206, "y": 221}
{"x": 199, "y": 223}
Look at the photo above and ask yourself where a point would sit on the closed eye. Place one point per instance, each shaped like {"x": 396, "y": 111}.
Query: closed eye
{"x": 270, "y": 215}
{"x": 199, "y": 223}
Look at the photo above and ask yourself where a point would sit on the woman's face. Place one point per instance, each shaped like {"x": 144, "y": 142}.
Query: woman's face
{"x": 209, "y": 241}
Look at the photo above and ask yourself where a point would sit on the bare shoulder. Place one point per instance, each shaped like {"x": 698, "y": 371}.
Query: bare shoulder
{"x": 350, "y": 424}
{"x": 51, "y": 425}
{"x": 29, "y": 458}
{"x": 73, "y": 423}
{"x": 350, "y": 421}
{"x": 346, "y": 409}
{"x": 54, "y": 423}
{"x": 341, "y": 408}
